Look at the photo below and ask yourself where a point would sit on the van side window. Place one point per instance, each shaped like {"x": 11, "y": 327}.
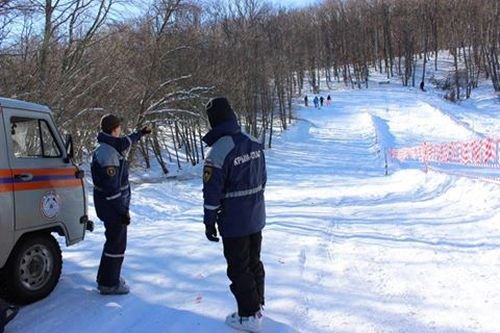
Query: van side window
{"x": 49, "y": 145}
{"x": 33, "y": 138}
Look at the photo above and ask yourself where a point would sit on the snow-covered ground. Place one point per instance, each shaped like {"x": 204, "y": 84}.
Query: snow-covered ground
{"x": 346, "y": 248}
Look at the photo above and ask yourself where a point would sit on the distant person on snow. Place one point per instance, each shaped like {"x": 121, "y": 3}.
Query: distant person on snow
{"x": 321, "y": 100}
{"x": 234, "y": 178}
{"x": 305, "y": 100}
{"x": 316, "y": 102}
{"x": 328, "y": 100}
{"x": 112, "y": 200}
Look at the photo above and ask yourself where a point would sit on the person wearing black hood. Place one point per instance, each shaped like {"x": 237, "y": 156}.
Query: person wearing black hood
{"x": 234, "y": 179}
{"x": 112, "y": 200}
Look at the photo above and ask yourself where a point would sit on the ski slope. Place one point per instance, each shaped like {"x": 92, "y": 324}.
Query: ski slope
{"x": 346, "y": 248}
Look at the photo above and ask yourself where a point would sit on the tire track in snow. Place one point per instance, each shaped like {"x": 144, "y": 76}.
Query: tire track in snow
{"x": 350, "y": 139}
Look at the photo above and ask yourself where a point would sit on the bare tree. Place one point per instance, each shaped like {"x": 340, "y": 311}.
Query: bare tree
{"x": 161, "y": 67}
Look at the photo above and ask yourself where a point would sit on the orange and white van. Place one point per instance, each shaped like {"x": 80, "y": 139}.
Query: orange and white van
{"x": 41, "y": 192}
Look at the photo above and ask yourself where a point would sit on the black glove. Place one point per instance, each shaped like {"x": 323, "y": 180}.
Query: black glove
{"x": 211, "y": 233}
{"x": 125, "y": 219}
{"x": 146, "y": 130}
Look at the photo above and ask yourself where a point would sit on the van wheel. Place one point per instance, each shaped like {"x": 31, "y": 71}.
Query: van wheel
{"x": 33, "y": 269}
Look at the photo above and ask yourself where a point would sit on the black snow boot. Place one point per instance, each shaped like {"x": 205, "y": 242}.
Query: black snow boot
{"x": 7, "y": 313}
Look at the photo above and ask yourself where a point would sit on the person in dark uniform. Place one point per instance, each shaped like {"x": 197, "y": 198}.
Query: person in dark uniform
{"x": 321, "y": 100}
{"x": 305, "y": 100}
{"x": 234, "y": 179}
{"x": 112, "y": 200}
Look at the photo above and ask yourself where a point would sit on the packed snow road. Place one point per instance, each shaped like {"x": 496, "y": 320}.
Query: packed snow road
{"x": 346, "y": 248}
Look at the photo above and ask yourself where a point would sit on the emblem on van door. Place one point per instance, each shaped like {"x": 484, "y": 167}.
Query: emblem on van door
{"x": 50, "y": 204}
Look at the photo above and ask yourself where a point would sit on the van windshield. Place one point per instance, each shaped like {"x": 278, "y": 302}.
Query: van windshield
{"x": 33, "y": 138}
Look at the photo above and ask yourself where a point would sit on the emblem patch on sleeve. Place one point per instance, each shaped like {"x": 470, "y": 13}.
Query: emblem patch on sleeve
{"x": 207, "y": 174}
{"x": 111, "y": 171}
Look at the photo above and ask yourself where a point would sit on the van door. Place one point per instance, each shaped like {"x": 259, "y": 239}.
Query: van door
{"x": 6, "y": 200}
{"x": 47, "y": 188}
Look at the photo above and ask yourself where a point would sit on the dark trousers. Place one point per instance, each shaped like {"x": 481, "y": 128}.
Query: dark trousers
{"x": 113, "y": 254}
{"x": 246, "y": 272}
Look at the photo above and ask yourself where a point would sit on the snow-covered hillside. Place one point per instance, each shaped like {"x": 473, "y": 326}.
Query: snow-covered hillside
{"x": 346, "y": 248}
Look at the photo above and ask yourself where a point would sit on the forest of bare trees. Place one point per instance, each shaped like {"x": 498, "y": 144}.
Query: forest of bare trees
{"x": 160, "y": 63}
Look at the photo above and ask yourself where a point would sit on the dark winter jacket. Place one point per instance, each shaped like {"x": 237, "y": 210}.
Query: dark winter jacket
{"x": 110, "y": 176}
{"x": 234, "y": 178}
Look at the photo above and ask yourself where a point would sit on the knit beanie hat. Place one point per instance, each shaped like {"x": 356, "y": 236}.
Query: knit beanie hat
{"x": 219, "y": 110}
{"x": 109, "y": 122}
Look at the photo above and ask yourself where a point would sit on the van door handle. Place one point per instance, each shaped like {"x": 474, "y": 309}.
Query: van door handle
{"x": 24, "y": 177}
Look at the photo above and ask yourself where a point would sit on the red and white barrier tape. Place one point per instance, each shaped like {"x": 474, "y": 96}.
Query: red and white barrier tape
{"x": 479, "y": 152}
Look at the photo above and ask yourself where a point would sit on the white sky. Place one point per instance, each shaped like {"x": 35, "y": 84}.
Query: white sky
{"x": 133, "y": 8}
{"x": 293, "y": 3}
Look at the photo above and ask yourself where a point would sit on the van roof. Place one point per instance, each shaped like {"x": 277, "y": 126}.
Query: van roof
{"x": 16, "y": 104}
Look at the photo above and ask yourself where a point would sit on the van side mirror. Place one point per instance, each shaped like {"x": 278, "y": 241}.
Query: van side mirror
{"x": 68, "y": 145}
